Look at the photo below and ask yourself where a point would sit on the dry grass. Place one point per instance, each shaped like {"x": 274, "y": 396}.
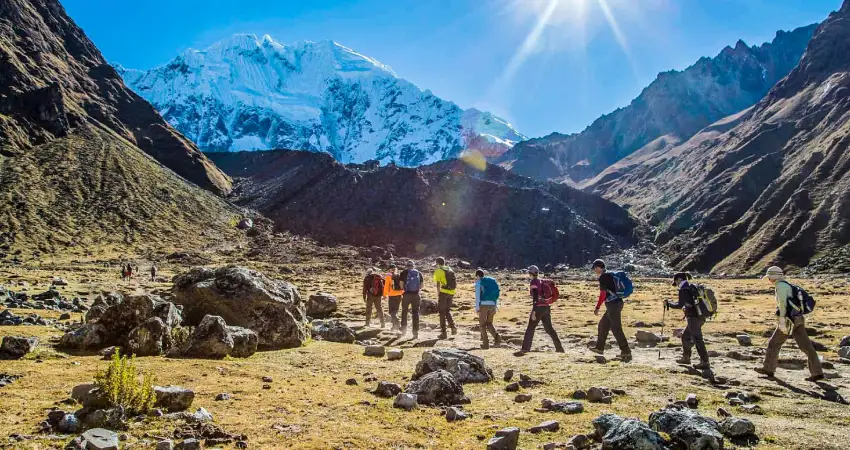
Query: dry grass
{"x": 310, "y": 406}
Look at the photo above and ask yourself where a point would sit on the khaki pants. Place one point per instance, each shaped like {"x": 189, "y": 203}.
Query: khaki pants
{"x": 486, "y": 314}
{"x": 376, "y": 301}
{"x": 444, "y": 307}
{"x": 771, "y": 359}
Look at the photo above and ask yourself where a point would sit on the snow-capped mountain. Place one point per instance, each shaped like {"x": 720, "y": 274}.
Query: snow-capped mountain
{"x": 244, "y": 93}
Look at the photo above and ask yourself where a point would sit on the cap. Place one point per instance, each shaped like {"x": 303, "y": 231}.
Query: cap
{"x": 774, "y": 271}
{"x": 533, "y": 269}
{"x": 679, "y": 276}
{"x": 411, "y": 264}
{"x": 441, "y": 261}
{"x": 369, "y": 271}
{"x": 598, "y": 263}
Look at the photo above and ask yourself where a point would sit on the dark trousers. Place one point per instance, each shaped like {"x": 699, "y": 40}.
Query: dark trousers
{"x": 542, "y": 314}
{"x": 613, "y": 322}
{"x": 376, "y": 301}
{"x": 692, "y": 336}
{"x": 410, "y": 301}
{"x": 444, "y": 307}
{"x": 394, "y": 303}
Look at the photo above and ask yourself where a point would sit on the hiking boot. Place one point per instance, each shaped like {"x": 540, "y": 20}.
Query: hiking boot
{"x": 454, "y": 330}
{"x": 519, "y": 353}
{"x": 485, "y": 346}
{"x": 626, "y": 357}
{"x": 762, "y": 371}
{"x": 416, "y": 335}
{"x": 702, "y": 366}
{"x": 814, "y": 378}
{"x": 596, "y": 350}
{"x": 683, "y": 361}
{"x": 497, "y": 343}
{"x": 442, "y": 335}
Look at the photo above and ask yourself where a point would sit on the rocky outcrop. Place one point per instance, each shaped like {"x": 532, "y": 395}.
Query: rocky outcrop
{"x": 464, "y": 366}
{"x": 688, "y": 428}
{"x": 333, "y": 331}
{"x": 242, "y": 297}
{"x": 16, "y": 347}
{"x": 618, "y": 433}
{"x": 212, "y": 338}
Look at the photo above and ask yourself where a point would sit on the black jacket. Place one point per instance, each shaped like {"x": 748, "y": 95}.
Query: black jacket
{"x": 687, "y": 301}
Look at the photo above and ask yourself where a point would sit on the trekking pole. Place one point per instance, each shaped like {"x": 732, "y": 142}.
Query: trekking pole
{"x": 663, "y": 321}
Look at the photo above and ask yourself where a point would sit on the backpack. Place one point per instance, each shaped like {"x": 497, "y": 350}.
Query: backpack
{"x": 624, "y": 284}
{"x": 413, "y": 281}
{"x": 801, "y": 302}
{"x": 549, "y": 292}
{"x": 396, "y": 282}
{"x": 706, "y": 301}
{"x": 451, "y": 280}
{"x": 376, "y": 287}
{"x": 489, "y": 290}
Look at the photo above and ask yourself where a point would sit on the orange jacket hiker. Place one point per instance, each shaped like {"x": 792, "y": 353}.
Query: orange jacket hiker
{"x": 388, "y": 287}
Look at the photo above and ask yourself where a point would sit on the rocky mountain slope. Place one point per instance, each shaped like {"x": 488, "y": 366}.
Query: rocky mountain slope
{"x": 83, "y": 160}
{"x": 244, "y": 93}
{"x": 768, "y": 186}
{"x": 493, "y": 219}
{"x": 674, "y": 107}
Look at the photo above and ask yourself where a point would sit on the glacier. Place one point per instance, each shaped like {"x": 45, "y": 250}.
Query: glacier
{"x": 245, "y": 93}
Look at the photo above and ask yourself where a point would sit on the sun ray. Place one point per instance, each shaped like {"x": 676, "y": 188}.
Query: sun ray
{"x": 529, "y": 44}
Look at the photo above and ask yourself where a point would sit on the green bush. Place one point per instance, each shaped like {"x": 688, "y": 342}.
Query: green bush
{"x": 180, "y": 336}
{"x": 124, "y": 386}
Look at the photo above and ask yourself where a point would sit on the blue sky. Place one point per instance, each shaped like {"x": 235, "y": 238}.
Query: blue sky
{"x": 587, "y": 58}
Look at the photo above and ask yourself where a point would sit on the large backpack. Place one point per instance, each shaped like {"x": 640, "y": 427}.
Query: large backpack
{"x": 623, "y": 283}
{"x": 706, "y": 301}
{"x": 376, "y": 287}
{"x": 489, "y": 290}
{"x": 413, "y": 282}
{"x": 451, "y": 280}
{"x": 548, "y": 291}
{"x": 800, "y": 303}
{"x": 396, "y": 282}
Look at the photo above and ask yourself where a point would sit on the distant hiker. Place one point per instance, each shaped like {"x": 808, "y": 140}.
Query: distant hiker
{"x": 411, "y": 283}
{"x": 129, "y": 271}
{"x": 393, "y": 293}
{"x": 543, "y": 294}
{"x": 446, "y": 289}
{"x": 486, "y": 305}
{"x": 611, "y": 320}
{"x": 153, "y": 272}
{"x": 123, "y": 272}
{"x": 793, "y": 303}
{"x": 373, "y": 291}
{"x": 689, "y": 302}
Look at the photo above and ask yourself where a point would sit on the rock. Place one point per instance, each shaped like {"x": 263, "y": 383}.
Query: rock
{"x": 513, "y": 387}
{"x": 509, "y": 375}
{"x": 147, "y": 339}
{"x": 626, "y": 434}
{"x": 599, "y": 395}
{"x": 737, "y": 427}
{"x": 386, "y": 389}
{"x": 245, "y": 342}
{"x": 428, "y": 307}
{"x": 121, "y": 318}
{"x": 692, "y": 401}
{"x": 94, "y": 313}
{"x": 464, "y": 366}
{"x": 165, "y": 444}
{"x": 395, "y": 354}
{"x": 55, "y": 416}
{"x": 405, "y": 401}
{"x": 738, "y": 356}
{"x": 267, "y": 379}
{"x": 579, "y": 395}
{"x": 454, "y": 414}
{"x": 752, "y": 409}
{"x": 580, "y": 442}
{"x": 16, "y": 347}
{"x": 374, "y": 350}
{"x": 199, "y": 416}
{"x": 68, "y": 424}
{"x": 101, "y": 439}
{"x": 549, "y": 425}
{"x": 564, "y": 407}
{"x": 351, "y": 382}
{"x": 246, "y": 298}
{"x": 464, "y": 265}
{"x": 321, "y": 305}
{"x": 169, "y": 313}
{"x": 522, "y": 398}
{"x": 65, "y": 316}
{"x": 844, "y": 352}
{"x": 224, "y": 396}
{"x": 688, "y": 427}
{"x": 211, "y": 339}
{"x": 722, "y": 412}
{"x": 647, "y": 337}
{"x": 190, "y": 444}
{"x": 89, "y": 395}
{"x": 245, "y": 224}
{"x": 845, "y": 342}
{"x": 505, "y": 439}
{"x": 108, "y": 352}
{"x": 109, "y": 418}
{"x": 437, "y": 388}
{"x": 89, "y": 336}
{"x": 173, "y": 398}
{"x": 744, "y": 340}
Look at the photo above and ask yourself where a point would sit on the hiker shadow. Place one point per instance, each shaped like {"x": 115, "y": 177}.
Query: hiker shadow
{"x": 796, "y": 389}
{"x": 746, "y": 441}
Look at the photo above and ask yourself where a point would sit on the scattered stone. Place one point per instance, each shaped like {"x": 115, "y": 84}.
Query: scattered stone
{"x": 64, "y": 316}
{"x": 428, "y": 307}
{"x": 405, "y": 401}
{"x": 16, "y": 347}
{"x": 454, "y": 414}
{"x": 505, "y": 439}
{"x": 845, "y": 342}
{"x": 527, "y": 382}
{"x": 351, "y": 382}
{"x": 513, "y": 387}
{"x": 549, "y": 425}
{"x": 395, "y": 354}
{"x": 333, "y": 331}
{"x": 744, "y": 340}
{"x": 692, "y": 401}
{"x": 165, "y": 444}
{"x": 222, "y": 397}
{"x": 386, "y": 389}
{"x": 752, "y": 409}
{"x": 600, "y": 359}
{"x": 88, "y": 395}
{"x": 190, "y": 444}
{"x": 580, "y": 442}
{"x": 737, "y": 427}
{"x": 267, "y": 379}
{"x": 321, "y": 305}
{"x": 647, "y": 337}
{"x": 522, "y": 398}
{"x": 844, "y": 352}
{"x": 600, "y": 395}
{"x": 722, "y": 412}
{"x": 625, "y": 434}
{"x": 374, "y": 350}
{"x": 547, "y": 404}
{"x": 464, "y": 366}
{"x": 68, "y": 424}
{"x": 173, "y": 398}
{"x": 509, "y": 375}
{"x": 437, "y": 388}
{"x": 579, "y": 395}
{"x": 101, "y": 439}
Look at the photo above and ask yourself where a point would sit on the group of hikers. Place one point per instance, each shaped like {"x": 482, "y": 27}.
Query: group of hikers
{"x": 697, "y": 301}
{"x": 127, "y": 271}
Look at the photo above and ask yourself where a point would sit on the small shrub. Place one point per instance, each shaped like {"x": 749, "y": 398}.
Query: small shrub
{"x": 124, "y": 386}
{"x": 180, "y": 336}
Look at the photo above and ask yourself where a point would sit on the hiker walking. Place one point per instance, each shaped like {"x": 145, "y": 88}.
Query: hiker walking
{"x": 129, "y": 271}
{"x": 692, "y": 336}
{"x": 123, "y": 272}
{"x": 373, "y": 291}
{"x": 486, "y": 305}
{"x": 611, "y": 320}
{"x": 393, "y": 293}
{"x": 411, "y": 282}
{"x": 153, "y": 272}
{"x": 543, "y": 294}
{"x": 446, "y": 289}
{"x": 792, "y": 304}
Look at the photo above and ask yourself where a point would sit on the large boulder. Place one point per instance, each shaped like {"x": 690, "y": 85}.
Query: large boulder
{"x": 737, "y": 427}
{"x": 688, "y": 427}
{"x": 464, "y": 366}
{"x": 211, "y": 339}
{"x": 321, "y": 305}
{"x": 333, "y": 331}
{"x": 108, "y": 299}
{"x": 149, "y": 338}
{"x": 94, "y": 313}
{"x": 437, "y": 388}
{"x": 169, "y": 313}
{"x": 618, "y": 433}
{"x": 15, "y": 347}
{"x": 245, "y": 298}
{"x": 245, "y": 342}
{"x": 90, "y": 336}
{"x": 121, "y": 318}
